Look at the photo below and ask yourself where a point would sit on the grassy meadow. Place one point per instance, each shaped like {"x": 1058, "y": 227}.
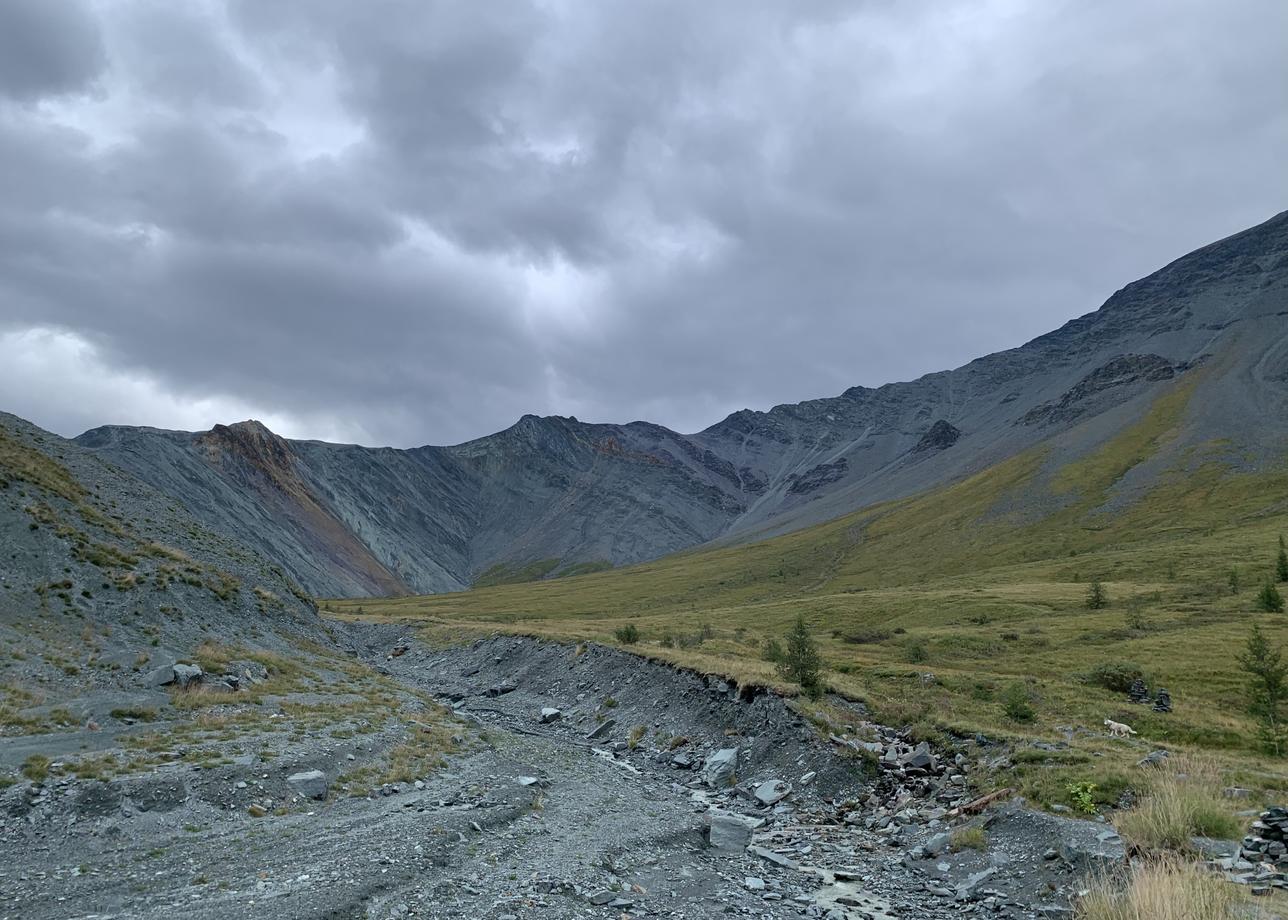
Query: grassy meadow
{"x": 940, "y": 610}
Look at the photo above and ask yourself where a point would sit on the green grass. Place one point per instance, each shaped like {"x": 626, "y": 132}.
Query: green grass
{"x": 988, "y": 600}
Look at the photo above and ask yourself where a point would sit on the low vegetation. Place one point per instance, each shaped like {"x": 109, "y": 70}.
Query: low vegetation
{"x": 1166, "y": 889}
{"x": 1182, "y": 800}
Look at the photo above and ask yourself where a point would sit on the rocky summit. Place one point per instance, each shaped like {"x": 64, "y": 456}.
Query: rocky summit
{"x": 556, "y": 496}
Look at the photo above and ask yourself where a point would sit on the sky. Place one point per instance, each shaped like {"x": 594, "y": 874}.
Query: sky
{"x": 400, "y": 222}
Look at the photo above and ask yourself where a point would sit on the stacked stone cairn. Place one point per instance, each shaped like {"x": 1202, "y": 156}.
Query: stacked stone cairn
{"x": 1139, "y": 692}
{"x": 1262, "y": 861}
{"x": 1162, "y": 701}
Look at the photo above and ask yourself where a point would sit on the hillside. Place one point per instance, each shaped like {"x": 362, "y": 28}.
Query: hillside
{"x": 554, "y": 496}
{"x": 930, "y": 608}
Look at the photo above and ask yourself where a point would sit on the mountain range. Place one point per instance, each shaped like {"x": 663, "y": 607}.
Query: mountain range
{"x": 555, "y": 496}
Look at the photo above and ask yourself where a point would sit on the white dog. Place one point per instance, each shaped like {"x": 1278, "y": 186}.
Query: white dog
{"x": 1118, "y": 729}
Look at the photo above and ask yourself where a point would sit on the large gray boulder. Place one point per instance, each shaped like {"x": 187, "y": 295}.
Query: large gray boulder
{"x": 728, "y": 832}
{"x": 719, "y": 768}
{"x": 311, "y": 784}
{"x": 187, "y": 674}
{"x": 160, "y": 676}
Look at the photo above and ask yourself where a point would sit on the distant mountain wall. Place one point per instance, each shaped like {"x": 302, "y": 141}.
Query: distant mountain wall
{"x": 551, "y": 496}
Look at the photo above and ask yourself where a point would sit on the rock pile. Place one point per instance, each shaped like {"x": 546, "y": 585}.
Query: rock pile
{"x": 1262, "y": 860}
{"x": 1162, "y": 701}
{"x": 1138, "y": 692}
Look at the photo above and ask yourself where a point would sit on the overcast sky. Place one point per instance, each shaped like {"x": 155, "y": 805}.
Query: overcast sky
{"x": 412, "y": 222}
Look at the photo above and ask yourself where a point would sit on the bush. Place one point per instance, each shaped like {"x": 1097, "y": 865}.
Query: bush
{"x": 916, "y": 651}
{"x": 1097, "y": 598}
{"x": 1015, "y": 703}
{"x": 773, "y": 651}
{"x": 627, "y": 635}
{"x": 1117, "y": 676}
{"x": 1083, "y": 796}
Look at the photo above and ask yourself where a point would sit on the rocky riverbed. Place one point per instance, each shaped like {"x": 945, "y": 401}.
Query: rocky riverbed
{"x": 587, "y": 783}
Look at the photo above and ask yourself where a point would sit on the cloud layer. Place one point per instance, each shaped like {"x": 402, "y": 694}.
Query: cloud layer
{"x": 402, "y": 221}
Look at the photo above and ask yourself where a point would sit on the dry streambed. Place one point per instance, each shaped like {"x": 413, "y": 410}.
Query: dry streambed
{"x": 588, "y": 783}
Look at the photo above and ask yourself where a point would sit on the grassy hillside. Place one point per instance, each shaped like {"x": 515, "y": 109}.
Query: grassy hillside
{"x": 971, "y": 585}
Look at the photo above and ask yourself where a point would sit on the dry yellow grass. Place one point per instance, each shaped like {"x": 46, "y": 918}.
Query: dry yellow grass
{"x": 1166, "y": 889}
{"x": 1183, "y": 800}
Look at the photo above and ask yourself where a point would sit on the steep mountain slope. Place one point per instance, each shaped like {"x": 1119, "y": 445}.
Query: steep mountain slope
{"x": 553, "y": 495}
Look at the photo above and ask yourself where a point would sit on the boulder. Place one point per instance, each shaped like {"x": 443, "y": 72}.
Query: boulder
{"x": 602, "y": 729}
{"x": 728, "y": 832}
{"x": 719, "y": 768}
{"x": 311, "y": 784}
{"x": 187, "y": 674}
{"x": 937, "y": 845}
{"x": 920, "y": 757}
{"x": 550, "y": 714}
{"x": 772, "y": 792}
{"x": 160, "y": 676}
{"x": 1153, "y": 759}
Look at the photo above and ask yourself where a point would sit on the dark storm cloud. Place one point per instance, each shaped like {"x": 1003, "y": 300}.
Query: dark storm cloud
{"x": 47, "y": 48}
{"x": 403, "y": 222}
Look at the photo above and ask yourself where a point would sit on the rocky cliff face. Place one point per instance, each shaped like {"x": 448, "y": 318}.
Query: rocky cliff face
{"x": 552, "y": 495}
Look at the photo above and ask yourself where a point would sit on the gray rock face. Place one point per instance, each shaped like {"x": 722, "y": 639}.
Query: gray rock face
{"x": 327, "y": 513}
{"x": 719, "y": 768}
{"x": 310, "y": 784}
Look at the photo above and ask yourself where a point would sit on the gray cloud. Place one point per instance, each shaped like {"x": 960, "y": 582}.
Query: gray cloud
{"x": 409, "y": 222}
{"x": 47, "y": 48}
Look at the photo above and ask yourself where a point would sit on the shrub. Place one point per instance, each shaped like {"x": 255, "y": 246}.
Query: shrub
{"x": 1097, "y": 598}
{"x": 773, "y": 651}
{"x": 636, "y": 736}
{"x": 1161, "y": 889}
{"x": 1117, "y": 676}
{"x": 1083, "y": 796}
{"x": 916, "y": 651}
{"x": 627, "y": 635}
{"x": 1015, "y": 703}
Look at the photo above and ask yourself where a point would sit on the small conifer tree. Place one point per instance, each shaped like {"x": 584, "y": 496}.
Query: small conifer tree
{"x": 1267, "y": 689}
{"x": 1281, "y": 563}
{"x": 1269, "y": 600}
{"x": 801, "y": 662}
{"x": 1097, "y": 598}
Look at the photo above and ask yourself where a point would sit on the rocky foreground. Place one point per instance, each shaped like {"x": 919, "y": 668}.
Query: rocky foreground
{"x": 586, "y": 783}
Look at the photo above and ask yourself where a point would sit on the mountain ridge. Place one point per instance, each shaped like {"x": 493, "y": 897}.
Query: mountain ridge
{"x": 554, "y": 494}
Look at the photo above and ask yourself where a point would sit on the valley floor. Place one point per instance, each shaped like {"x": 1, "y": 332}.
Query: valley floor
{"x": 524, "y": 817}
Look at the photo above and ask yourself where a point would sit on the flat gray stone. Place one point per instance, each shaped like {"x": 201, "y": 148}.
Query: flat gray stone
{"x": 311, "y": 784}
